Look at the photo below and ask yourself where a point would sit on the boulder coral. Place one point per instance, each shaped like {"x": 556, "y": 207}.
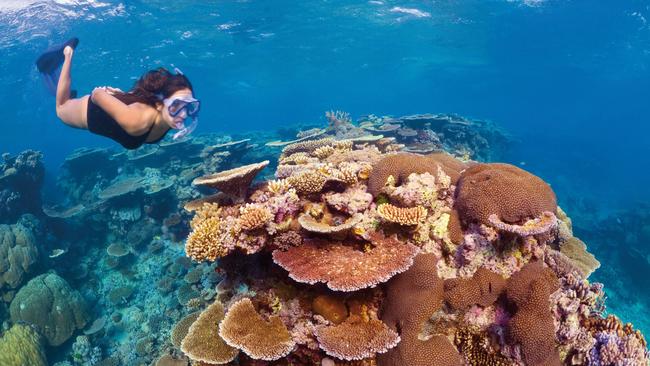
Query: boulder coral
{"x": 18, "y": 254}
{"x": 52, "y": 306}
{"x": 512, "y": 194}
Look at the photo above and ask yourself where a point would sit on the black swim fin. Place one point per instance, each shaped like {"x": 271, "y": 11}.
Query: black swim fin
{"x": 50, "y": 61}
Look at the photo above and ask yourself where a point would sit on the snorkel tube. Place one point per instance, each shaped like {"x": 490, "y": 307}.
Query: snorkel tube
{"x": 185, "y": 130}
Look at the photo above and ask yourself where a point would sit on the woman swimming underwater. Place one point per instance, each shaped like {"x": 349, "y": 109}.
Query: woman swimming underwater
{"x": 158, "y": 102}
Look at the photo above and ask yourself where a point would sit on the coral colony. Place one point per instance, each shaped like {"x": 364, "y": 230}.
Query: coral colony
{"x": 383, "y": 242}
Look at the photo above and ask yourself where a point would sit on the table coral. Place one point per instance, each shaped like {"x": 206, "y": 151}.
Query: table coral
{"x": 260, "y": 339}
{"x": 202, "y": 341}
{"x": 344, "y": 268}
{"x": 356, "y": 339}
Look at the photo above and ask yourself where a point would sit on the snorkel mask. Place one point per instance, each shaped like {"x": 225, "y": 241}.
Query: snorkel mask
{"x": 184, "y": 103}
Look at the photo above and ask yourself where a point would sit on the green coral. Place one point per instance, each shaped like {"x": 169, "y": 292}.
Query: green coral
{"x": 50, "y": 304}
{"x": 21, "y": 346}
{"x": 18, "y": 254}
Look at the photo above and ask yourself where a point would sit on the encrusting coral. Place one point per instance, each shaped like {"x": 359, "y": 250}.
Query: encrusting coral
{"x": 457, "y": 263}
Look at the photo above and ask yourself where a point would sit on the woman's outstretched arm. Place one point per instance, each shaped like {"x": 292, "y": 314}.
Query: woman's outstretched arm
{"x": 134, "y": 119}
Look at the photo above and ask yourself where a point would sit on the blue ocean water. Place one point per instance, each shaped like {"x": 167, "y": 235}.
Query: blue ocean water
{"x": 569, "y": 80}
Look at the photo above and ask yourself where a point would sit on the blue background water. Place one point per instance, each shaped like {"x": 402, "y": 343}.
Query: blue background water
{"x": 569, "y": 79}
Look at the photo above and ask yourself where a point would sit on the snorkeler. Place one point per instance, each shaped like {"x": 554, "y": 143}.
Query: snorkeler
{"x": 158, "y": 102}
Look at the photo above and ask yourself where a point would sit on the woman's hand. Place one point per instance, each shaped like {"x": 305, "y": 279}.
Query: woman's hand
{"x": 104, "y": 89}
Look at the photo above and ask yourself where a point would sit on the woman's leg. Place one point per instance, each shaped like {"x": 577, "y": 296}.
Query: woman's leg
{"x": 71, "y": 111}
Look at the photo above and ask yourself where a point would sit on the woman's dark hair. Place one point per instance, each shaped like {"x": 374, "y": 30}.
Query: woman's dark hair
{"x": 156, "y": 85}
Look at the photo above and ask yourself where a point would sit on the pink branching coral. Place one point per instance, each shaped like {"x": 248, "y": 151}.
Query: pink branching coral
{"x": 344, "y": 268}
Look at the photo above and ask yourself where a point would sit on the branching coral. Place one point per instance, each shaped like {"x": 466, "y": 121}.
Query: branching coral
{"x": 203, "y": 242}
{"x": 344, "y": 268}
{"x": 260, "y": 339}
{"x": 203, "y": 343}
{"x": 253, "y": 216}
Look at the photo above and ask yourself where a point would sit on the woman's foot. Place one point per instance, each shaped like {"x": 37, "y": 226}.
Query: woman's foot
{"x": 68, "y": 51}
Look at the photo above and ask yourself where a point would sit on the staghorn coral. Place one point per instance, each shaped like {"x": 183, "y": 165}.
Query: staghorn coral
{"x": 356, "y": 339}
{"x": 344, "y": 268}
{"x": 260, "y": 339}
{"x": 407, "y": 216}
{"x": 203, "y": 343}
{"x": 482, "y": 289}
{"x": 510, "y": 193}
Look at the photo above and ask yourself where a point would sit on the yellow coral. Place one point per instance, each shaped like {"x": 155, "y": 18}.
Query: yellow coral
{"x": 253, "y": 216}
{"x": 440, "y": 226}
{"x": 402, "y": 215}
{"x": 203, "y": 242}
{"x": 307, "y": 182}
{"x": 21, "y": 346}
{"x": 278, "y": 186}
{"x": 206, "y": 211}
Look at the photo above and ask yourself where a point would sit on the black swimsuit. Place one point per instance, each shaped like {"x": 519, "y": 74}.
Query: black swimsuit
{"x": 101, "y": 123}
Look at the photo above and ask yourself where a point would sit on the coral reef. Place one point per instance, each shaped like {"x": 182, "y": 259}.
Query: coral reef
{"x": 18, "y": 254}
{"x": 21, "y": 180}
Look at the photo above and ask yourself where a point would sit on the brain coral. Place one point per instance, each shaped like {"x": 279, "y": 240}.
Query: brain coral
{"x": 413, "y": 297}
{"x": 512, "y": 194}
{"x": 483, "y": 289}
{"x": 48, "y": 302}
{"x": 21, "y": 346}
{"x": 399, "y": 166}
{"x": 18, "y": 254}
{"x": 532, "y": 326}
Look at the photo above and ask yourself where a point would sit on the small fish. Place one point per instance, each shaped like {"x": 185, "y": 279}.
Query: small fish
{"x": 57, "y": 252}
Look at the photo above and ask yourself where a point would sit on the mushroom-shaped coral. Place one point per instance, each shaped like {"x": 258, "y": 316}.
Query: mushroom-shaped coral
{"x": 344, "y": 268}
{"x": 233, "y": 182}
{"x": 356, "y": 338}
{"x": 576, "y": 250}
{"x": 260, "y": 339}
{"x": 203, "y": 343}
{"x": 510, "y": 193}
{"x": 482, "y": 289}
{"x": 407, "y": 216}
